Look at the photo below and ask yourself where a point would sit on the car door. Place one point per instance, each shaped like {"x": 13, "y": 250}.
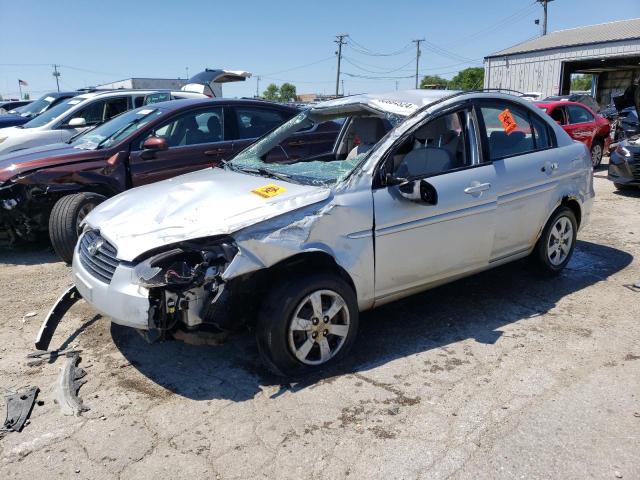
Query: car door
{"x": 521, "y": 152}
{"x": 195, "y": 139}
{"x": 581, "y": 124}
{"x": 419, "y": 243}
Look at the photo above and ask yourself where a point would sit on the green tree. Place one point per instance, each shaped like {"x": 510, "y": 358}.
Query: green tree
{"x": 287, "y": 92}
{"x": 581, "y": 82}
{"x": 433, "y": 81}
{"x": 26, "y": 96}
{"x": 272, "y": 92}
{"x": 468, "y": 79}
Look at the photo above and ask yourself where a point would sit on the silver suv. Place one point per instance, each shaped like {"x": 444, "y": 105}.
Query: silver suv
{"x": 421, "y": 188}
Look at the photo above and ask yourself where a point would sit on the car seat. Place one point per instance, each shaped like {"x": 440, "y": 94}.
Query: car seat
{"x": 369, "y": 130}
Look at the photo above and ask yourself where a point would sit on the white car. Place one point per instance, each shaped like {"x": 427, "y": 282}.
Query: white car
{"x": 77, "y": 114}
{"x": 420, "y": 188}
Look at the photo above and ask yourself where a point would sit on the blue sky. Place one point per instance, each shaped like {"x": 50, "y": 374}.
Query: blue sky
{"x": 98, "y": 41}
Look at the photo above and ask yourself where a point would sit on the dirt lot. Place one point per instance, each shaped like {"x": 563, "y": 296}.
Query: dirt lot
{"x": 501, "y": 375}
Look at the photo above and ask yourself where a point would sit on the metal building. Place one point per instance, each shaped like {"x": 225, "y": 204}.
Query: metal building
{"x": 609, "y": 51}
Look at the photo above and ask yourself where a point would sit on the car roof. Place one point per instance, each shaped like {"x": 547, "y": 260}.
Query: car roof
{"x": 398, "y": 102}
{"x": 186, "y": 102}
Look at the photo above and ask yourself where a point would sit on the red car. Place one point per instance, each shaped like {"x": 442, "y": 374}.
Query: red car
{"x": 582, "y": 124}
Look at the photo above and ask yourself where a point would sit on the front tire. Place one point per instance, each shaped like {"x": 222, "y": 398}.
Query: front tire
{"x": 597, "y": 150}
{"x": 64, "y": 223}
{"x": 306, "y": 323}
{"x": 557, "y": 242}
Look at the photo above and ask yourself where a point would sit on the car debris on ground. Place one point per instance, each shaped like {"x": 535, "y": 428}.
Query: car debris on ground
{"x": 19, "y": 406}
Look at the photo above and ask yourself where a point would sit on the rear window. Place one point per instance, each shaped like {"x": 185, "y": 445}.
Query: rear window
{"x": 511, "y": 130}
{"x": 578, "y": 114}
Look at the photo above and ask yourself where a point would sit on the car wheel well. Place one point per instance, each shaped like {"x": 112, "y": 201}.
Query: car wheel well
{"x": 573, "y": 204}
{"x": 316, "y": 262}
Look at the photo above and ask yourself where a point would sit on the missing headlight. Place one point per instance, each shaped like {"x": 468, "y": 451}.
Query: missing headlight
{"x": 187, "y": 266}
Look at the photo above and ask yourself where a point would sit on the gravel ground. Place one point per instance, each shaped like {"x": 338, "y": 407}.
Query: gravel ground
{"x": 500, "y": 375}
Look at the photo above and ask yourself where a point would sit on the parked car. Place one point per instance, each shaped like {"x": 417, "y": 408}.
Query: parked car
{"x": 297, "y": 248}
{"x": 25, "y": 113}
{"x": 624, "y": 163}
{"x": 531, "y": 96}
{"x": 8, "y": 105}
{"x": 53, "y": 187}
{"x": 76, "y": 114}
{"x": 582, "y": 98}
{"x": 582, "y": 124}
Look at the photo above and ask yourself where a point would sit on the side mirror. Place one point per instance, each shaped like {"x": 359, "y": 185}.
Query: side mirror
{"x": 152, "y": 145}
{"x": 77, "y": 122}
{"x": 419, "y": 191}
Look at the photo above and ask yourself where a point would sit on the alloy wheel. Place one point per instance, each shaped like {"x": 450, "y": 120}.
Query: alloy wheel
{"x": 319, "y": 327}
{"x": 560, "y": 241}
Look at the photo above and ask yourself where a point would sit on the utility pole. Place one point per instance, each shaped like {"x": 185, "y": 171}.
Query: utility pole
{"x": 417, "y": 42}
{"x": 340, "y": 40}
{"x": 56, "y": 74}
{"x": 186, "y": 69}
{"x": 258, "y": 86}
{"x": 544, "y": 21}
{"x": 342, "y": 82}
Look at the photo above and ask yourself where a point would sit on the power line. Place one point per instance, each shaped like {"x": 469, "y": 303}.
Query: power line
{"x": 298, "y": 67}
{"x": 358, "y": 47}
{"x": 359, "y": 67}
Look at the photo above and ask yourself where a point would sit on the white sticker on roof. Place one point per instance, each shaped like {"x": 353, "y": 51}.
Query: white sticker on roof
{"x": 73, "y": 102}
{"x": 145, "y": 111}
{"x": 49, "y": 99}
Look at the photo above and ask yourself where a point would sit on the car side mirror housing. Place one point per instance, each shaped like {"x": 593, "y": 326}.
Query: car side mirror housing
{"x": 77, "y": 122}
{"x": 152, "y": 145}
{"x": 419, "y": 191}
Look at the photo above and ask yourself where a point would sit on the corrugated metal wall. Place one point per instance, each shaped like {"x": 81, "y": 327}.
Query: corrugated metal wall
{"x": 541, "y": 71}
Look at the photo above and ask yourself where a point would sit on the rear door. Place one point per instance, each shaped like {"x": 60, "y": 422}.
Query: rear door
{"x": 527, "y": 172}
{"x": 196, "y": 140}
{"x": 581, "y": 125}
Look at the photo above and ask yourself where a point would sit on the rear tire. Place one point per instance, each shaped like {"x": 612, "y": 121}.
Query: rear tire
{"x": 65, "y": 219}
{"x": 597, "y": 150}
{"x": 557, "y": 242}
{"x": 296, "y": 335}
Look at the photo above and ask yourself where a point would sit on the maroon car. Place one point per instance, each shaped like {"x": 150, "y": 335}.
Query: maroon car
{"x": 54, "y": 187}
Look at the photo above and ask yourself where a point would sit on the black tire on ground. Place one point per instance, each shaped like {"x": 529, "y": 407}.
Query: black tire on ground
{"x": 597, "y": 150}
{"x": 65, "y": 219}
{"x": 540, "y": 254}
{"x": 276, "y": 315}
{"x": 622, "y": 186}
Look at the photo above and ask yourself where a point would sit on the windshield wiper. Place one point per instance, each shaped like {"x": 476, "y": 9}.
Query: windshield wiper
{"x": 265, "y": 173}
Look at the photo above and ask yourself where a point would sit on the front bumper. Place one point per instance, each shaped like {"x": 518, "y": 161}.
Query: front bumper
{"x": 125, "y": 302}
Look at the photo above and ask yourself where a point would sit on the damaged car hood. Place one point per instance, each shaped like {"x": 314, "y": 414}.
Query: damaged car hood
{"x": 23, "y": 161}
{"x": 208, "y": 202}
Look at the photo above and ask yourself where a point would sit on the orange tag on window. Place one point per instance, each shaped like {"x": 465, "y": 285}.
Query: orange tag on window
{"x": 508, "y": 122}
{"x": 269, "y": 191}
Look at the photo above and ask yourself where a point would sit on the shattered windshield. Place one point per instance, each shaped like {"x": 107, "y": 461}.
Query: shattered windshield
{"x": 304, "y": 149}
{"x": 116, "y": 129}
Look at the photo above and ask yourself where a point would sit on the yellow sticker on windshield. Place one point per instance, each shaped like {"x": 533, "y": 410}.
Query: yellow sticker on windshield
{"x": 269, "y": 191}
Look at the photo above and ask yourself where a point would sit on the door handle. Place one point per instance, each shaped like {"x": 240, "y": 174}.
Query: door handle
{"x": 550, "y": 167}
{"x": 478, "y": 188}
